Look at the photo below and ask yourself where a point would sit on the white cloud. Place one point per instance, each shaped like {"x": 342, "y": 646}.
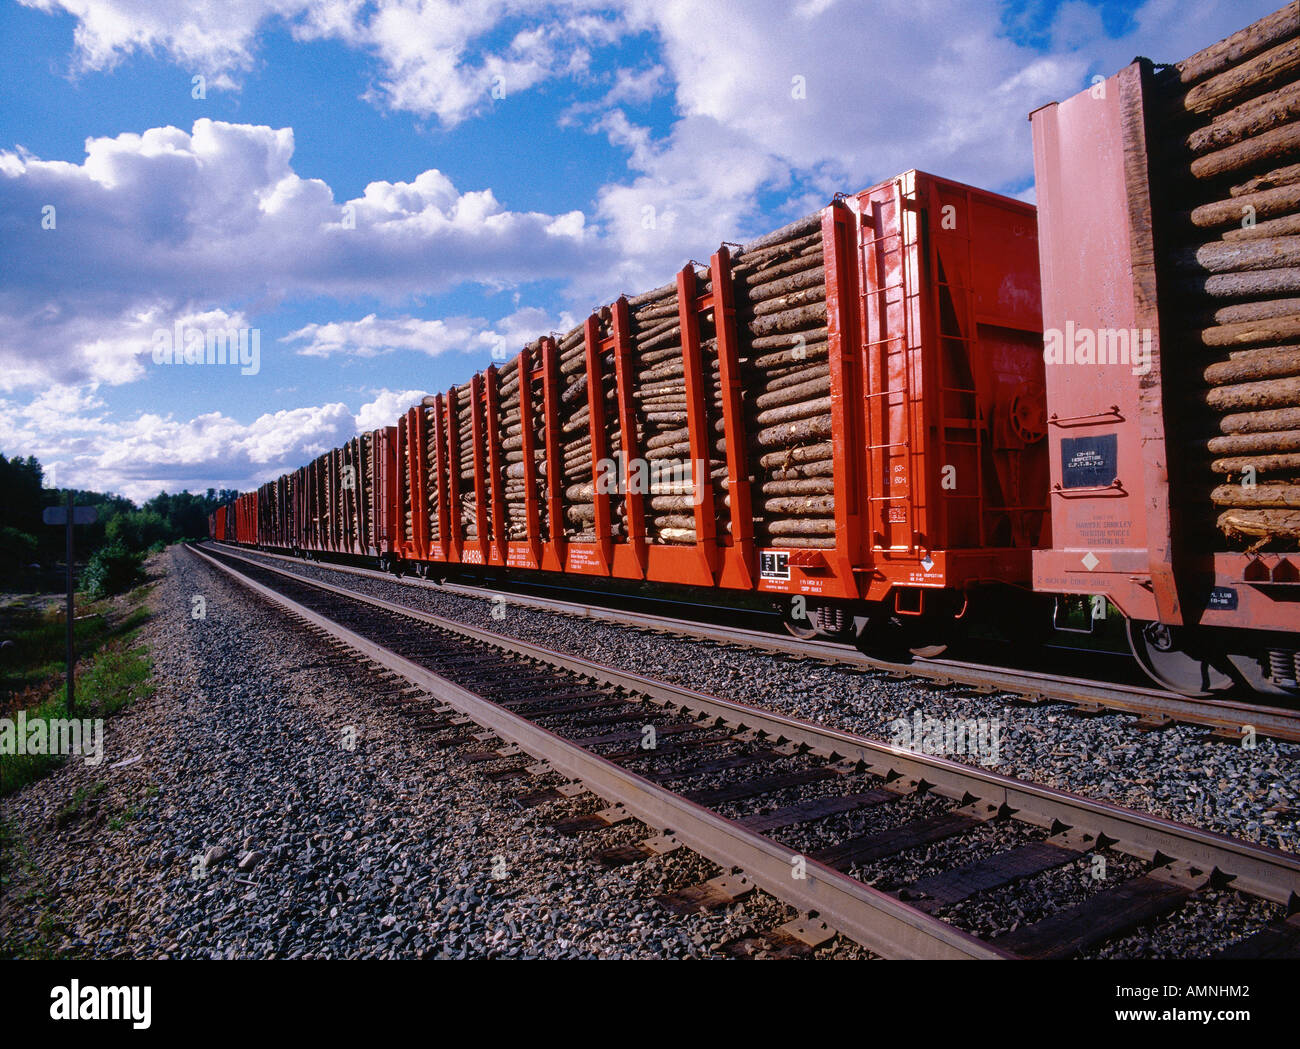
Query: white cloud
{"x": 386, "y": 407}
{"x": 164, "y": 224}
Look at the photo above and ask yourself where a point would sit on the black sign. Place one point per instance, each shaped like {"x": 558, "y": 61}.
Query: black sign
{"x": 1223, "y": 598}
{"x": 1089, "y": 462}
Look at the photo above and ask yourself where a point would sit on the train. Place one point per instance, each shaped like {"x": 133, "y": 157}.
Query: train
{"x": 924, "y": 405}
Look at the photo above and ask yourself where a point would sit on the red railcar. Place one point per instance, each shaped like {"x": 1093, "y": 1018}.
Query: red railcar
{"x": 935, "y": 393}
{"x": 1150, "y": 252}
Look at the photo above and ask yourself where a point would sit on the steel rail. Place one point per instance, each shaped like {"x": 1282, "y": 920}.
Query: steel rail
{"x": 878, "y": 921}
{"x": 1230, "y": 716}
{"x": 1258, "y": 870}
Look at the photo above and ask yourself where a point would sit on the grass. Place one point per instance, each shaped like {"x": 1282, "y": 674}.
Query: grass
{"x": 112, "y": 671}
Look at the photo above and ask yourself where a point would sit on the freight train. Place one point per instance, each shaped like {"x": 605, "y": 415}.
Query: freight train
{"x": 925, "y": 404}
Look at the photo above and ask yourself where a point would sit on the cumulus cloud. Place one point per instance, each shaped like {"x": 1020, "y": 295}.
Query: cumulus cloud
{"x": 371, "y": 336}
{"x": 156, "y": 226}
{"x": 79, "y": 445}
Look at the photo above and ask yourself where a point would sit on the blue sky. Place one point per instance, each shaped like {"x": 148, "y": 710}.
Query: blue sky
{"x": 387, "y": 191}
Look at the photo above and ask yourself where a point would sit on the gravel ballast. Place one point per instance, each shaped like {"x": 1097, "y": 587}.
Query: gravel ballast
{"x": 263, "y": 804}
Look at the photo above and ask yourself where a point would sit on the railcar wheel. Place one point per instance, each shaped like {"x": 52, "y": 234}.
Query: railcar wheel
{"x": 1160, "y": 651}
{"x": 821, "y": 623}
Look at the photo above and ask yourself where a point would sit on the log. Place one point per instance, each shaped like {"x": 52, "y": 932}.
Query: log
{"x": 796, "y": 432}
{"x": 653, "y": 296}
{"x": 1261, "y": 464}
{"x": 795, "y": 394}
{"x": 812, "y": 277}
{"x": 672, "y": 503}
{"x": 1272, "y": 362}
{"x": 775, "y": 253}
{"x": 799, "y": 354}
{"x": 666, "y": 417}
{"x": 802, "y": 526}
{"x": 1268, "y": 332}
{"x": 799, "y": 228}
{"x": 1259, "y": 36}
{"x": 1254, "y": 117}
{"x": 1253, "y": 443}
{"x": 1254, "y": 76}
{"x": 784, "y": 378}
{"x": 1278, "y": 144}
{"x": 677, "y": 535}
{"x": 821, "y": 468}
{"x": 1257, "y": 283}
{"x": 799, "y": 505}
{"x": 788, "y": 413}
{"x": 808, "y": 317}
{"x": 775, "y": 269}
{"x": 1275, "y": 495}
{"x": 1261, "y": 422}
{"x": 791, "y": 301}
{"x": 784, "y": 459}
{"x": 667, "y": 438}
{"x": 1235, "y": 257}
{"x": 649, "y": 330}
{"x": 1275, "y": 393}
{"x": 1286, "y": 226}
{"x": 1283, "y": 176}
{"x": 674, "y": 521}
{"x": 803, "y": 486}
{"x": 1260, "y": 523}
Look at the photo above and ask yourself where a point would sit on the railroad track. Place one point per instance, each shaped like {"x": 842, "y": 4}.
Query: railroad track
{"x": 789, "y": 807}
{"x": 1228, "y": 720}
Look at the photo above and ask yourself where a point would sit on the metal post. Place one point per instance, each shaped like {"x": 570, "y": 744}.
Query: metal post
{"x": 72, "y": 651}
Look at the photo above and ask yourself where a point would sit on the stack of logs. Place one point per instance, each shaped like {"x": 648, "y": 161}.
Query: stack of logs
{"x": 780, "y": 297}
{"x": 404, "y": 486}
{"x": 511, "y": 424}
{"x": 437, "y": 481}
{"x": 1233, "y": 178}
{"x": 465, "y": 411}
{"x": 575, "y": 435}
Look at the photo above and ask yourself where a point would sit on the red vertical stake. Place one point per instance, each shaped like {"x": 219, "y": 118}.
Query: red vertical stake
{"x": 532, "y": 513}
{"x": 440, "y": 486}
{"x": 599, "y": 444}
{"x": 706, "y": 540}
{"x": 739, "y": 488}
{"x": 846, "y": 392}
{"x": 634, "y": 497}
{"x": 477, "y": 452}
{"x": 456, "y": 534}
{"x": 495, "y": 464}
{"x": 554, "y": 466}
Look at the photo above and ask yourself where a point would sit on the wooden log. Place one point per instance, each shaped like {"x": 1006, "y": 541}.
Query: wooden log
{"x": 798, "y": 471}
{"x": 1264, "y": 495}
{"x": 1266, "y": 70}
{"x": 1259, "y": 36}
{"x": 1256, "y": 283}
{"x": 677, "y": 535}
{"x": 1283, "y": 176}
{"x": 812, "y": 316}
{"x": 1255, "y": 443}
{"x": 799, "y": 228}
{"x": 579, "y": 493}
{"x": 796, "y": 375}
{"x": 1253, "y": 333}
{"x": 646, "y": 331}
{"x": 1254, "y": 117}
{"x": 801, "y": 486}
{"x": 666, "y": 417}
{"x": 652, "y": 296}
{"x": 1285, "y": 226}
{"x": 1260, "y": 523}
{"x": 798, "y": 354}
{"x": 1234, "y": 257}
{"x": 795, "y": 393}
{"x": 1278, "y": 144}
{"x": 791, "y": 301}
{"x": 788, "y": 457}
{"x": 802, "y": 526}
{"x": 746, "y": 263}
{"x": 674, "y": 521}
{"x": 1275, "y": 393}
{"x": 1262, "y": 464}
{"x": 658, "y": 312}
{"x": 790, "y": 412}
{"x": 811, "y": 277}
{"x": 1261, "y": 422}
{"x": 799, "y": 505}
{"x": 775, "y": 269}
{"x": 1270, "y": 362}
{"x": 800, "y": 542}
{"x": 667, "y": 438}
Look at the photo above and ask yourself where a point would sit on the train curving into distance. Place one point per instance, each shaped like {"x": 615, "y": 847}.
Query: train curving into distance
{"x": 923, "y": 404}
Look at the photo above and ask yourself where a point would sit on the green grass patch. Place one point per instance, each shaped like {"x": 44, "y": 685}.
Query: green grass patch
{"x": 113, "y": 671}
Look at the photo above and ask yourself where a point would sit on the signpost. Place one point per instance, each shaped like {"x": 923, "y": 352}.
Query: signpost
{"x": 69, "y": 516}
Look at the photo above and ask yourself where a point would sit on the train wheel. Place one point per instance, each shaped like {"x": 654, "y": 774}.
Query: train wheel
{"x": 821, "y": 623}
{"x": 1160, "y": 651}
